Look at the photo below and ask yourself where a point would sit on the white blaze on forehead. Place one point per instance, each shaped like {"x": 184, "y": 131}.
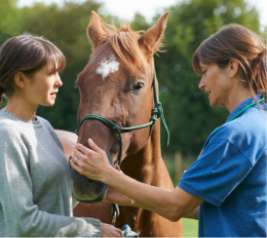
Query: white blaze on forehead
{"x": 107, "y": 66}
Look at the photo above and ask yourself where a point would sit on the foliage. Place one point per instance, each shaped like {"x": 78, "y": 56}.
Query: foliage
{"x": 188, "y": 114}
{"x": 10, "y": 16}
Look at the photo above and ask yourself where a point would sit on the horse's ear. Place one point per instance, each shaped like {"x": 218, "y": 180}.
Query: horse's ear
{"x": 151, "y": 39}
{"x": 97, "y": 30}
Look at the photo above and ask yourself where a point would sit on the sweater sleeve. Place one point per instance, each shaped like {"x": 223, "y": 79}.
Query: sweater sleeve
{"x": 19, "y": 214}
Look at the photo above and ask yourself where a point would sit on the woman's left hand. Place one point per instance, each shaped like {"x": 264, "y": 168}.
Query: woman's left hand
{"x": 91, "y": 162}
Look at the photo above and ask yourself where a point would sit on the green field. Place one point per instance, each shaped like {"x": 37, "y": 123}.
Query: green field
{"x": 176, "y": 165}
{"x": 190, "y": 227}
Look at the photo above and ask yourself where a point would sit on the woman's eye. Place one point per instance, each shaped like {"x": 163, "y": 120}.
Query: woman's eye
{"x": 138, "y": 85}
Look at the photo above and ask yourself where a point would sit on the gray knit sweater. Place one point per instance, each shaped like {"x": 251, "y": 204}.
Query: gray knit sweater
{"x": 35, "y": 183}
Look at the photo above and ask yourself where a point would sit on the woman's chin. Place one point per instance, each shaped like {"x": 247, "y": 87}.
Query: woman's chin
{"x": 49, "y": 103}
{"x": 213, "y": 103}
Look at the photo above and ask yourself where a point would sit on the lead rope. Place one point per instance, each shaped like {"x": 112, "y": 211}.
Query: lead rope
{"x": 159, "y": 109}
{"x": 115, "y": 213}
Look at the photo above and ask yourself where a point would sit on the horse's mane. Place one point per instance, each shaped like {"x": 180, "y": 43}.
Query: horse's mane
{"x": 124, "y": 42}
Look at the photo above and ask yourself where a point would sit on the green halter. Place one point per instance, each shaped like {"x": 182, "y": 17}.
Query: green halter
{"x": 157, "y": 112}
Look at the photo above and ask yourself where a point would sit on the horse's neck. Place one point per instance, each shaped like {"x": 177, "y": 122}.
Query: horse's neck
{"x": 147, "y": 166}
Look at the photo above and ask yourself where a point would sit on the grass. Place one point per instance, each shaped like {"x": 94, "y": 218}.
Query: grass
{"x": 176, "y": 165}
{"x": 190, "y": 227}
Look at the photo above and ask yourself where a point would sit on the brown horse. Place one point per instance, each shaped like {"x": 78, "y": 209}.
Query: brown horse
{"x": 116, "y": 89}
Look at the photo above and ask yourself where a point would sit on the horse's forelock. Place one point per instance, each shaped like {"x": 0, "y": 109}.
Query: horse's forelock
{"x": 124, "y": 42}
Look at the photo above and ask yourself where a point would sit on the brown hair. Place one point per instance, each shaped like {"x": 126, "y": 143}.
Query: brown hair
{"x": 236, "y": 42}
{"x": 26, "y": 53}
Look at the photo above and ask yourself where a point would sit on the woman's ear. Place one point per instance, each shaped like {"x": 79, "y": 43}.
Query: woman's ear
{"x": 233, "y": 68}
{"x": 19, "y": 80}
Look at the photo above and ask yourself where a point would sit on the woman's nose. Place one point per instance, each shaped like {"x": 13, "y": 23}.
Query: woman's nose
{"x": 59, "y": 82}
{"x": 201, "y": 84}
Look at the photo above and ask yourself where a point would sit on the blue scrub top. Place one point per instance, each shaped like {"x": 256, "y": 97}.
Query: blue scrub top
{"x": 230, "y": 176}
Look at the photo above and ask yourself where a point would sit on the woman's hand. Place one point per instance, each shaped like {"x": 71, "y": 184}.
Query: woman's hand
{"x": 91, "y": 162}
{"x": 108, "y": 230}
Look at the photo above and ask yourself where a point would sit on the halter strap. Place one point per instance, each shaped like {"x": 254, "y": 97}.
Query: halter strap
{"x": 157, "y": 112}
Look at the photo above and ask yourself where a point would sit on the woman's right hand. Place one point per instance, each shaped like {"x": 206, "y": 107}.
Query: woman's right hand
{"x": 108, "y": 230}
{"x": 91, "y": 162}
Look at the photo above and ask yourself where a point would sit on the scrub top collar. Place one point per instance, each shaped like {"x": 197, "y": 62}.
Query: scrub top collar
{"x": 249, "y": 101}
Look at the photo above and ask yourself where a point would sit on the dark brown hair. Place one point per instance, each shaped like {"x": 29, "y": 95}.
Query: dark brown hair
{"x": 26, "y": 53}
{"x": 241, "y": 44}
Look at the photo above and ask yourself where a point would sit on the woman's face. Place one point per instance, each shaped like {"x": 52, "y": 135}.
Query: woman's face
{"x": 42, "y": 87}
{"x": 216, "y": 83}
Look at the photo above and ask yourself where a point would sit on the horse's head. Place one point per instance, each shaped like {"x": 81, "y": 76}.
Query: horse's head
{"x": 116, "y": 91}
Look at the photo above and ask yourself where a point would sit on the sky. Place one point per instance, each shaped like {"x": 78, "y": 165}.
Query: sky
{"x": 126, "y": 9}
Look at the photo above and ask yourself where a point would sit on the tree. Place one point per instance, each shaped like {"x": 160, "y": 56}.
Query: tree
{"x": 189, "y": 116}
{"x": 9, "y": 19}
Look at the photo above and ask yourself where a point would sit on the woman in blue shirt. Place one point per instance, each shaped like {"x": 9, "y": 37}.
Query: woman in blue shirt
{"x": 228, "y": 181}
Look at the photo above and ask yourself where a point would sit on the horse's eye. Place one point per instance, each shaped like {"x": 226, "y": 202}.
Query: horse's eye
{"x": 138, "y": 85}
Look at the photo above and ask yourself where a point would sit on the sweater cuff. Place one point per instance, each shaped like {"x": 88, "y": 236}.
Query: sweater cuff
{"x": 81, "y": 227}
{"x": 95, "y": 226}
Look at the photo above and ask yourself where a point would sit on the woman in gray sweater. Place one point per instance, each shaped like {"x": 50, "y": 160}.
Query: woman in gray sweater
{"x": 35, "y": 182}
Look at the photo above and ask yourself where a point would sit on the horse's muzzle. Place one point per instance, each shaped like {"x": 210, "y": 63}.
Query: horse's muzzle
{"x": 88, "y": 190}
